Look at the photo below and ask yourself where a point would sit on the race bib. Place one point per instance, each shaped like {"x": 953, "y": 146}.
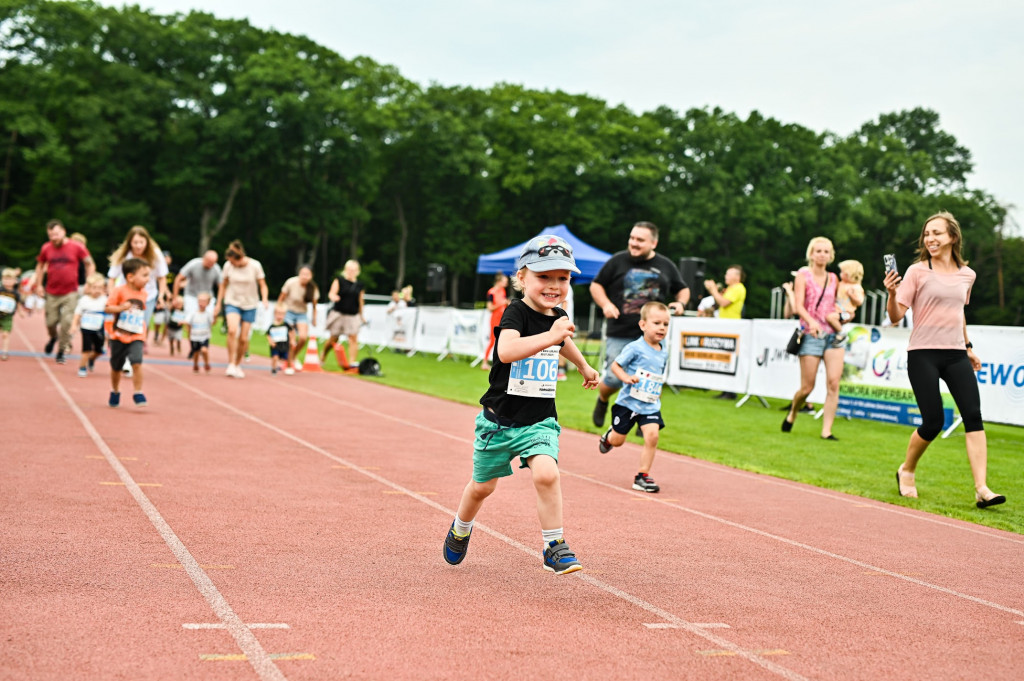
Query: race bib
{"x": 178, "y": 316}
{"x": 92, "y": 321}
{"x": 535, "y": 376}
{"x": 7, "y": 304}
{"x": 648, "y": 389}
{"x": 279, "y": 334}
{"x": 132, "y": 321}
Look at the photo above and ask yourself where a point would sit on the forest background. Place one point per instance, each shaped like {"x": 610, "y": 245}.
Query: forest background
{"x": 206, "y": 130}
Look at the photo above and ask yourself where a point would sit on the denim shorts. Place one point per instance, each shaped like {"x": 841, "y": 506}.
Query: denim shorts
{"x": 294, "y": 318}
{"x": 612, "y": 348}
{"x": 494, "y": 445}
{"x": 247, "y": 316}
{"x": 816, "y": 347}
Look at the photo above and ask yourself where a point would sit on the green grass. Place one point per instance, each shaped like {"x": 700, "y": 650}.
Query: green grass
{"x": 863, "y": 462}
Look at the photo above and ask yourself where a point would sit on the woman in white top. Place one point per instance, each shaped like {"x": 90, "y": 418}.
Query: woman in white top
{"x": 139, "y": 244}
{"x": 299, "y": 293}
{"x": 243, "y": 286}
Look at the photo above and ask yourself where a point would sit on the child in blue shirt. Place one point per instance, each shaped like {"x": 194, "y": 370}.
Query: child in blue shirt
{"x": 518, "y": 419}
{"x": 641, "y": 366}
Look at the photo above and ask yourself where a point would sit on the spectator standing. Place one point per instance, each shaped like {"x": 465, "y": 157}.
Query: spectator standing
{"x": 57, "y": 265}
{"x": 243, "y": 287}
{"x": 730, "y": 302}
{"x": 628, "y": 281}
{"x": 938, "y": 286}
{"x": 814, "y": 296}
{"x": 497, "y": 301}
{"x": 346, "y": 316}
{"x": 199, "y": 275}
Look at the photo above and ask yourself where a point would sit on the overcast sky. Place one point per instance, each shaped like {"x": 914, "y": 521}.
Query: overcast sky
{"x": 824, "y": 65}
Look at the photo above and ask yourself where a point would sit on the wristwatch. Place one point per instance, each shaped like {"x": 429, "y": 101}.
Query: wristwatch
{"x": 970, "y": 345}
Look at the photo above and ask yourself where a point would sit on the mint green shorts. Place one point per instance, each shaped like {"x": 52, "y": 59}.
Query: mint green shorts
{"x": 495, "y": 446}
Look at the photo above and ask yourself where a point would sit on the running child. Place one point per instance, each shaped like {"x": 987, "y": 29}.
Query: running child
{"x": 127, "y": 328}
{"x": 200, "y": 324}
{"x": 641, "y": 366}
{"x": 518, "y": 417}
{"x": 849, "y": 297}
{"x": 175, "y": 320}
{"x": 89, "y": 317}
{"x": 279, "y": 337}
{"x": 10, "y": 301}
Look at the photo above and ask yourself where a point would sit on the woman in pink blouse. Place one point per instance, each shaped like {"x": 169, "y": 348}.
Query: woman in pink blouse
{"x": 938, "y": 286}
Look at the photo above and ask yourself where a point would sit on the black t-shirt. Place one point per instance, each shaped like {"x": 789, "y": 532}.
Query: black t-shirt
{"x": 10, "y": 293}
{"x": 630, "y": 284}
{"x": 523, "y": 410}
{"x": 279, "y": 345}
{"x": 348, "y": 292}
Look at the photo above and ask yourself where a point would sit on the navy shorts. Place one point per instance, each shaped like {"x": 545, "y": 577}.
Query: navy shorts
{"x": 624, "y": 418}
{"x": 92, "y": 341}
{"x": 279, "y": 350}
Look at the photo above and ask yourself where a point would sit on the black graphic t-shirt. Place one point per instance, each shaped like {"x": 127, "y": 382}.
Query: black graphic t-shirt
{"x": 523, "y": 410}
{"x": 630, "y": 284}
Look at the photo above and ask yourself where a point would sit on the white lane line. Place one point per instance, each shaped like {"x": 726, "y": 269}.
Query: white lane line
{"x": 700, "y": 514}
{"x": 261, "y": 662}
{"x": 922, "y": 516}
{"x": 221, "y": 625}
{"x": 532, "y": 552}
{"x": 669, "y": 625}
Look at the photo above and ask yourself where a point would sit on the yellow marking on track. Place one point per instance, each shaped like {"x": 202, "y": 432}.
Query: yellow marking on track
{"x": 179, "y": 566}
{"x": 393, "y": 491}
{"x": 427, "y": 494}
{"x": 636, "y": 498}
{"x": 343, "y": 468}
{"x": 140, "y": 484}
{"x": 241, "y": 657}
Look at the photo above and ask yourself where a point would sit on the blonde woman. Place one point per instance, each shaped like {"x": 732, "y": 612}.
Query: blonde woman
{"x": 243, "y": 287}
{"x": 814, "y": 298}
{"x": 139, "y": 244}
{"x": 346, "y": 316}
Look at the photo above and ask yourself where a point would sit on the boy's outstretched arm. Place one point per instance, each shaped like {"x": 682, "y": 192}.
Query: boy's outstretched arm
{"x": 572, "y": 353}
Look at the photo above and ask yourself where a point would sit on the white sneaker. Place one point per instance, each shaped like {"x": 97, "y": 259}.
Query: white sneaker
{"x": 239, "y": 373}
{"x": 230, "y": 371}
{"x": 127, "y": 368}
{"x": 296, "y": 366}
{"x": 289, "y": 372}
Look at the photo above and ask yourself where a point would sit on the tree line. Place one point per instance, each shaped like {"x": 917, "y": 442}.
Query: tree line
{"x": 205, "y": 130}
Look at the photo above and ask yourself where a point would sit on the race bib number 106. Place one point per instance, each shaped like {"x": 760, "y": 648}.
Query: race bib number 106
{"x": 535, "y": 376}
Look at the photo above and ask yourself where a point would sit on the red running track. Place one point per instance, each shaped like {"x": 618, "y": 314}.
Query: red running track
{"x": 291, "y": 528}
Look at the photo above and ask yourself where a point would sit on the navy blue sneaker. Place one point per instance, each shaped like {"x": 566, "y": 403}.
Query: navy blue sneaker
{"x": 140, "y": 399}
{"x": 560, "y": 559}
{"x": 455, "y": 546}
{"x": 115, "y": 400}
{"x": 49, "y": 345}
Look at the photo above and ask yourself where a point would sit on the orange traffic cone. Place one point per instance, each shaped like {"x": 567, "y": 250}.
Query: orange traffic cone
{"x": 342, "y": 357}
{"x": 312, "y": 362}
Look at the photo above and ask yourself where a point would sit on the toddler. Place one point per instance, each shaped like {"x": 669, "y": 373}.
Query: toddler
{"x": 89, "y": 317}
{"x": 175, "y": 320}
{"x": 279, "y": 339}
{"x": 10, "y": 301}
{"x": 849, "y": 297}
{"x": 200, "y": 323}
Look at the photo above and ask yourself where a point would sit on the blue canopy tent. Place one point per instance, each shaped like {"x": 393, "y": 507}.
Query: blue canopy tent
{"x": 588, "y": 259}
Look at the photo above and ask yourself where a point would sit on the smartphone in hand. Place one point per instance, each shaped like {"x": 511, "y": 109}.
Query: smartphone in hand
{"x": 890, "y": 262}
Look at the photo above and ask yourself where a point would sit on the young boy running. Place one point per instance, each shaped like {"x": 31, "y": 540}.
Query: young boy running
{"x": 518, "y": 417}
{"x": 127, "y": 329}
{"x": 10, "y": 301}
{"x": 200, "y": 325}
{"x": 89, "y": 317}
{"x": 641, "y": 367}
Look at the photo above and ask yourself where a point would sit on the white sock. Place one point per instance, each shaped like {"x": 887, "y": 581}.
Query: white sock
{"x": 462, "y": 528}
{"x": 550, "y": 536}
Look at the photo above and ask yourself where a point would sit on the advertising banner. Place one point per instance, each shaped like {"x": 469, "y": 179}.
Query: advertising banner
{"x": 1001, "y": 378}
{"x": 400, "y": 328}
{"x": 709, "y": 353}
{"x": 773, "y": 371}
{"x": 470, "y": 334}
{"x": 374, "y": 332}
{"x": 433, "y": 328}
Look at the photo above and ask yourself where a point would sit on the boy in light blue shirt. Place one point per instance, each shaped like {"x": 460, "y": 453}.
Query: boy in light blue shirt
{"x": 641, "y": 366}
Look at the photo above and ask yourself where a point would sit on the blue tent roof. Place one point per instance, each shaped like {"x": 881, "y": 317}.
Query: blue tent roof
{"x": 588, "y": 259}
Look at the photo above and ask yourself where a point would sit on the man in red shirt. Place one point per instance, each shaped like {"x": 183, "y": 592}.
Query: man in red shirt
{"x": 58, "y": 263}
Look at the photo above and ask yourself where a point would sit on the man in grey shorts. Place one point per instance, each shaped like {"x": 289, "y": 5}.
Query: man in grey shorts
{"x": 630, "y": 279}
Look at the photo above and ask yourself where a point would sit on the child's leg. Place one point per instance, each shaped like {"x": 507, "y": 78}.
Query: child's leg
{"x": 650, "y": 431}
{"x": 833, "y": 320}
{"x": 206, "y": 358}
{"x": 473, "y": 498}
{"x": 615, "y": 439}
{"x": 5, "y": 341}
{"x": 137, "y": 377}
{"x": 546, "y": 481}
{"x": 115, "y": 380}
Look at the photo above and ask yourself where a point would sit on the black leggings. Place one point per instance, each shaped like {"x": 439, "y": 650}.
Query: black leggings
{"x": 925, "y": 368}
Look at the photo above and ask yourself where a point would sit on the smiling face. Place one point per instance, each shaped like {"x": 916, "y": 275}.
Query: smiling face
{"x": 542, "y": 291}
{"x": 138, "y": 244}
{"x": 641, "y": 243}
{"x": 936, "y": 238}
{"x": 655, "y": 327}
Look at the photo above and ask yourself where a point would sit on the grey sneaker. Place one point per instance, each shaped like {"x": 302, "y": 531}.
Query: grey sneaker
{"x": 560, "y": 559}
{"x": 600, "y": 410}
{"x": 602, "y": 443}
{"x": 645, "y": 483}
